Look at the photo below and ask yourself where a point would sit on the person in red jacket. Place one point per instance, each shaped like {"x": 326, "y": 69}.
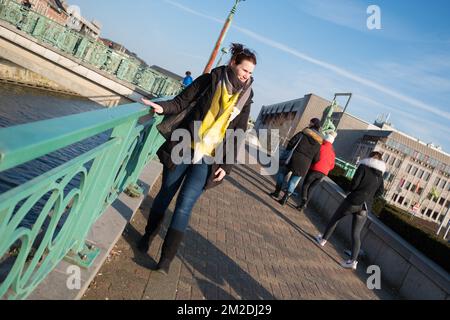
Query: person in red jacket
{"x": 319, "y": 170}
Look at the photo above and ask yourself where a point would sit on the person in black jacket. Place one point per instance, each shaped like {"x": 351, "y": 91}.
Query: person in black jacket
{"x": 366, "y": 184}
{"x": 26, "y": 4}
{"x": 307, "y": 145}
{"x": 216, "y": 102}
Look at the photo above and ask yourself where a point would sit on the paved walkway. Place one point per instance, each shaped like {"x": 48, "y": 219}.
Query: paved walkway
{"x": 240, "y": 245}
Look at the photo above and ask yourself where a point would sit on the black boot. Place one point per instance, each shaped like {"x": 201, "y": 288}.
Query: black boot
{"x": 151, "y": 230}
{"x": 276, "y": 193}
{"x": 285, "y": 199}
{"x": 169, "y": 250}
{"x": 302, "y": 205}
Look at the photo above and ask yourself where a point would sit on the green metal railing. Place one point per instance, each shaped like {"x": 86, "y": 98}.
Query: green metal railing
{"x": 88, "y": 50}
{"x": 29, "y": 254}
{"x": 348, "y": 168}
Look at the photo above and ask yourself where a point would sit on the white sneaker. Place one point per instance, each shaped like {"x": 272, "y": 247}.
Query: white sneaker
{"x": 320, "y": 241}
{"x": 350, "y": 264}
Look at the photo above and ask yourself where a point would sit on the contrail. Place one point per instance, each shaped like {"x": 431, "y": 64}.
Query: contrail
{"x": 338, "y": 70}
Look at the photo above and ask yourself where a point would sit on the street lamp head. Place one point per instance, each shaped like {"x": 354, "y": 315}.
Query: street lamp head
{"x": 233, "y": 11}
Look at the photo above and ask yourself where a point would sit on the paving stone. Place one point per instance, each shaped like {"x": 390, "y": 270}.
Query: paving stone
{"x": 243, "y": 245}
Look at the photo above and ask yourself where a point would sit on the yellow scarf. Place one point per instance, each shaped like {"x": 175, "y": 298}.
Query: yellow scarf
{"x": 216, "y": 122}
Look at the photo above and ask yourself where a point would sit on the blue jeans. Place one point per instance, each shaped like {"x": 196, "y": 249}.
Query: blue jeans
{"x": 192, "y": 179}
{"x": 293, "y": 181}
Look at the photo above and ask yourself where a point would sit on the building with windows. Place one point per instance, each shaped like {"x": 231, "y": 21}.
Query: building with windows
{"x": 78, "y": 23}
{"x": 292, "y": 116}
{"x": 53, "y": 9}
{"x": 418, "y": 174}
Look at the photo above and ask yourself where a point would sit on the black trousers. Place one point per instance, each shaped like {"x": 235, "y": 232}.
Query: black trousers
{"x": 311, "y": 180}
{"x": 359, "y": 219}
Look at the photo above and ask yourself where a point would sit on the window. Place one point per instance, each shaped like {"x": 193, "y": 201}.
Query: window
{"x": 420, "y": 191}
{"x": 421, "y": 173}
{"x": 421, "y": 157}
{"x": 431, "y": 198}
{"x": 441, "y": 218}
{"x": 394, "y": 197}
{"x": 427, "y": 176}
{"x": 392, "y": 161}
{"x": 433, "y": 162}
{"x": 408, "y": 168}
{"x": 414, "y": 171}
{"x": 435, "y": 215}
{"x": 386, "y": 157}
{"x": 407, "y": 185}
{"x": 443, "y": 183}
{"x": 399, "y": 163}
{"x": 429, "y": 212}
{"x": 414, "y": 188}
{"x": 400, "y": 200}
{"x": 441, "y": 201}
{"x": 436, "y": 182}
{"x": 447, "y": 205}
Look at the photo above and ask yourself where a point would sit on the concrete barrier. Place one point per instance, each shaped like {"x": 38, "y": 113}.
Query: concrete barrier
{"x": 15, "y": 74}
{"x": 403, "y": 268}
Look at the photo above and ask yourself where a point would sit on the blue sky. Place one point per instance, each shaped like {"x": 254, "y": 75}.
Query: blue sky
{"x": 307, "y": 46}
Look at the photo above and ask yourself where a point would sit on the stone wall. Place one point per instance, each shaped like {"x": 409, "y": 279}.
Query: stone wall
{"x": 12, "y": 73}
{"x": 403, "y": 268}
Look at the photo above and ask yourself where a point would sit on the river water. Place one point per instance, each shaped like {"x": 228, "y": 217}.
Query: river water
{"x": 20, "y": 105}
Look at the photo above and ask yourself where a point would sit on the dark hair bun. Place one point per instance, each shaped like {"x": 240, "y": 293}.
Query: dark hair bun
{"x": 240, "y": 53}
{"x": 236, "y": 48}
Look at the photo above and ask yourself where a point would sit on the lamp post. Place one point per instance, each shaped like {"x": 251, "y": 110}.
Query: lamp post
{"x": 224, "y": 51}
{"x": 349, "y": 96}
{"x": 222, "y": 35}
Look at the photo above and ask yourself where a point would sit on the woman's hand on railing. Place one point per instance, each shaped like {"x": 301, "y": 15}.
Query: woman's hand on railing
{"x": 156, "y": 107}
{"x": 219, "y": 174}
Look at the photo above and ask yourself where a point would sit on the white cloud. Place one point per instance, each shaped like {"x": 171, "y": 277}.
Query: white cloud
{"x": 347, "y": 13}
{"x": 191, "y": 11}
{"x": 396, "y": 111}
{"x": 416, "y": 75}
{"x": 347, "y": 74}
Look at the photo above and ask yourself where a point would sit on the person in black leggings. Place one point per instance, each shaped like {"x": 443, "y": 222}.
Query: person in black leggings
{"x": 319, "y": 170}
{"x": 366, "y": 184}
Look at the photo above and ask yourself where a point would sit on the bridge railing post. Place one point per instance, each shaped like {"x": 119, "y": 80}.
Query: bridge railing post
{"x": 73, "y": 195}
{"x": 104, "y": 189}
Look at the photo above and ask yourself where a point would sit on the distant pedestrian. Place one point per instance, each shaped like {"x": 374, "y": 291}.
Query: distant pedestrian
{"x": 219, "y": 101}
{"x": 26, "y": 7}
{"x": 305, "y": 148}
{"x": 187, "y": 81}
{"x": 26, "y": 4}
{"x": 366, "y": 184}
{"x": 318, "y": 170}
